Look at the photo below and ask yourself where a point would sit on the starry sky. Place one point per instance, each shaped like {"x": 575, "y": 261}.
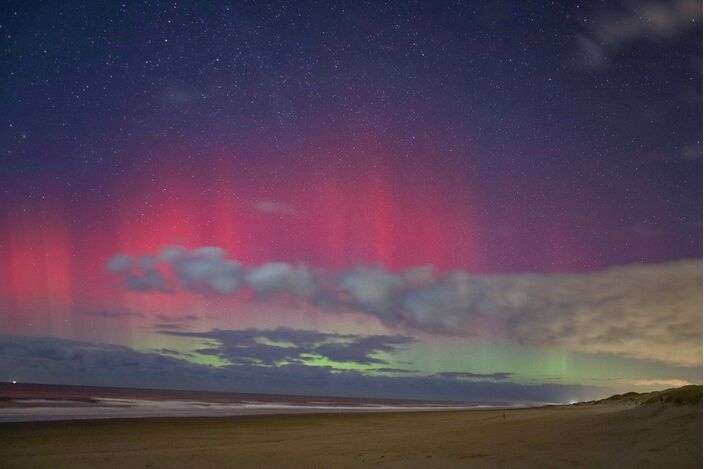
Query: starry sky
{"x": 446, "y": 199}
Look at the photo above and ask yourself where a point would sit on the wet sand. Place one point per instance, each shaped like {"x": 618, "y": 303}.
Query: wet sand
{"x": 615, "y": 435}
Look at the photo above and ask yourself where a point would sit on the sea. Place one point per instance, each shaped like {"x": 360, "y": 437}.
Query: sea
{"x": 25, "y": 402}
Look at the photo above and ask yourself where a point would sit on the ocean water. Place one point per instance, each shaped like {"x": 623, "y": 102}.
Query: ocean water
{"x": 38, "y": 402}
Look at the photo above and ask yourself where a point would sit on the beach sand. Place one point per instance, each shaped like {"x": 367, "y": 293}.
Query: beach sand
{"x": 616, "y": 435}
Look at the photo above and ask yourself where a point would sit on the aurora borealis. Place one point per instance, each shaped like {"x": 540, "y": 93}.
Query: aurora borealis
{"x": 466, "y": 200}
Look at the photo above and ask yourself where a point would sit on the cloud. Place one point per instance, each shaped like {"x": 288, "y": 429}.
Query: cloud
{"x": 647, "y": 19}
{"x": 647, "y": 312}
{"x": 176, "y": 317}
{"x": 393, "y": 370}
{"x": 170, "y": 325}
{"x": 272, "y": 207}
{"x": 207, "y": 270}
{"x": 638, "y": 311}
{"x": 204, "y": 269}
{"x": 138, "y": 274}
{"x": 654, "y": 383}
{"x": 499, "y": 376}
{"x": 178, "y": 96}
{"x": 362, "y": 350}
{"x": 372, "y": 291}
{"x": 281, "y": 278}
{"x": 272, "y": 346}
{"x": 589, "y": 53}
{"x": 113, "y": 314}
{"x": 120, "y": 263}
{"x": 652, "y": 20}
{"x": 49, "y": 359}
{"x": 58, "y": 361}
{"x": 692, "y": 152}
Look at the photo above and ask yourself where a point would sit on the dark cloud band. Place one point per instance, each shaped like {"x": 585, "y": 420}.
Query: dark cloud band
{"x": 53, "y": 360}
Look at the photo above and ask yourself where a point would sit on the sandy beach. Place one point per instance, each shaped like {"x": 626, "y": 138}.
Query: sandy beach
{"x": 615, "y": 435}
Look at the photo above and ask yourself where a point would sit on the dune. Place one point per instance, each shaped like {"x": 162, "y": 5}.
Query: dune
{"x": 691, "y": 394}
{"x": 630, "y": 430}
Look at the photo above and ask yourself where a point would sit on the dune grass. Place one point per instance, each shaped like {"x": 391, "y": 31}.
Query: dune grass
{"x": 691, "y": 394}
{"x": 685, "y": 395}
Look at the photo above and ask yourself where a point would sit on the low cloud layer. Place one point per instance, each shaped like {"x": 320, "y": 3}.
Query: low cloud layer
{"x": 273, "y": 346}
{"x": 498, "y": 376}
{"x": 648, "y": 312}
{"x": 53, "y": 360}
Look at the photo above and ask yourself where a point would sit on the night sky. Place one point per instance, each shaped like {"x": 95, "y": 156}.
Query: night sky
{"x": 467, "y": 200}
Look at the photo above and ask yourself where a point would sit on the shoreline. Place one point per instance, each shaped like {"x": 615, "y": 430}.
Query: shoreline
{"x": 41, "y": 402}
{"x": 48, "y": 413}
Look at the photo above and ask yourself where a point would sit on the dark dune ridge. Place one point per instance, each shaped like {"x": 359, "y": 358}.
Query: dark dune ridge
{"x": 691, "y": 394}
